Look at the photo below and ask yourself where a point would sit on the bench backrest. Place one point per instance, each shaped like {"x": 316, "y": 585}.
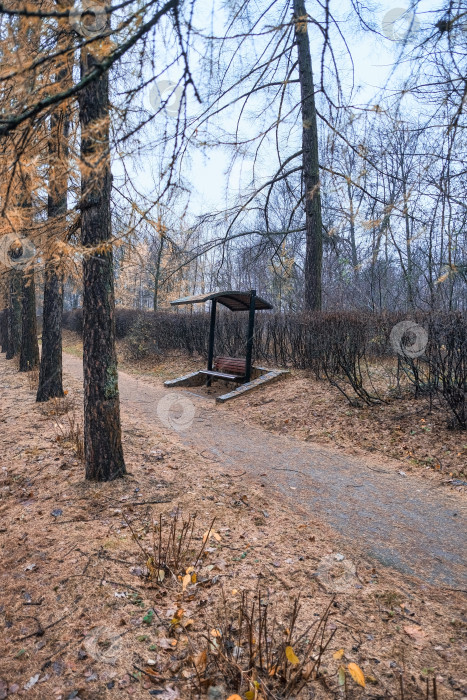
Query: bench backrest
{"x": 232, "y": 365}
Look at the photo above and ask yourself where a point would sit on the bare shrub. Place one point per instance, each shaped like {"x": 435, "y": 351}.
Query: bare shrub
{"x": 33, "y": 379}
{"x": 71, "y": 432}
{"x": 58, "y": 406}
{"x": 255, "y": 649}
{"x": 173, "y": 553}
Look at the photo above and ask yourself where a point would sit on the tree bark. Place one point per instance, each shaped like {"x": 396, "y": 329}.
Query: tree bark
{"x": 353, "y": 240}
{"x": 50, "y": 376}
{"x": 29, "y": 350}
{"x": 102, "y": 430}
{"x": 29, "y": 354}
{"x": 158, "y": 272}
{"x": 4, "y": 329}
{"x": 4, "y": 314}
{"x": 314, "y": 225}
{"x": 14, "y": 314}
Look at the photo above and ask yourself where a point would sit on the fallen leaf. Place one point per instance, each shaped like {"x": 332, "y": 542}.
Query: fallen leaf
{"x": 211, "y": 533}
{"x": 150, "y": 672}
{"x": 200, "y": 661}
{"x": 234, "y": 697}
{"x": 341, "y": 675}
{"x": 291, "y": 656}
{"x": 165, "y": 643}
{"x": 307, "y": 670}
{"x": 417, "y": 634}
{"x": 338, "y": 654}
{"x": 357, "y": 674}
{"x": 186, "y": 581}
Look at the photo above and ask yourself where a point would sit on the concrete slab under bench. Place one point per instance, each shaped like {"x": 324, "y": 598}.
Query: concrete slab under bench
{"x": 261, "y": 375}
{"x": 270, "y": 376}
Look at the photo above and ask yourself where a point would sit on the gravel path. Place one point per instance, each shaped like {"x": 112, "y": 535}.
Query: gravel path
{"x": 401, "y": 521}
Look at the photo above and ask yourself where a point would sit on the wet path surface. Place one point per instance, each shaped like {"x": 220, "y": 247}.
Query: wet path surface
{"x": 402, "y": 521}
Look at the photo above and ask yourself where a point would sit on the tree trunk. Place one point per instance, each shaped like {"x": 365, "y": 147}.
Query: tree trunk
{"x": 50, "y": 376}
{"x": 4, "y": 314}
{"x": 102, "y": 431}
{"x": 158, "y": 273}
{"x": 4, "y": 328}
{"x": 29, "y": 354}
{"x": 314, "y": 225}
{"x": 353, "y": 240}
{"x": 14, "y": 314}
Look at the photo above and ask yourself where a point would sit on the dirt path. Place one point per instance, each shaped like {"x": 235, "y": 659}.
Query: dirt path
{"x": 399, "y": 520}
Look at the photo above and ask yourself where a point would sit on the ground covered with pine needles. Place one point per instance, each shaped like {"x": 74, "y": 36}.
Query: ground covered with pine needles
{"x": 183, "y": 581}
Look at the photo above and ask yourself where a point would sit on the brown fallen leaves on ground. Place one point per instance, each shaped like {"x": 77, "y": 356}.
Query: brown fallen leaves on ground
{"x": 86, "y": 613}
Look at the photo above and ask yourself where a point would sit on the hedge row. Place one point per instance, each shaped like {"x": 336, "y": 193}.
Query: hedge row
{"x": 295, "y": 340}
{"x": 338, "y": 346}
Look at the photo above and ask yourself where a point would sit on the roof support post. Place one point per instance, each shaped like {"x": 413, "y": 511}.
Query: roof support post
{"x": 212, "y": 329}
{"x": 251, "y": 328}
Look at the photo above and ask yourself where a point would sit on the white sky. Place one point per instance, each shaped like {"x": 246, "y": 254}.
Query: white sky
{"x": 373, "y": 57}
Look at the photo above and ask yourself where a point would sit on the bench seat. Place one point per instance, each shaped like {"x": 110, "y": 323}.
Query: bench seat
{"x": 220, "y": 375}
{"x": 232, "y": 369}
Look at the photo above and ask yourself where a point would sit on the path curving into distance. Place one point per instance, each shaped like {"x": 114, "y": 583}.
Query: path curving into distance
{"x": 403, "y": 522}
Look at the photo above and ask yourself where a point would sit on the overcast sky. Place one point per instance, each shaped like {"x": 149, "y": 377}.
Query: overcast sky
{"x": 374, "y": 57}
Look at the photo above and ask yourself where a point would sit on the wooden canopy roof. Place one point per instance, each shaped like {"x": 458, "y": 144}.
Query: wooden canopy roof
{"x": 235, "y": 301}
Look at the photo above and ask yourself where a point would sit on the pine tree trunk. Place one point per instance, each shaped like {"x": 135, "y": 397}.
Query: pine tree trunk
{"x": 50, "y": 376}
{"x": 4, "y": 315}
{"x": 314, "y": 225}
{"x": 14, "y": 314}
{"x": 29, "y": 354}
{"x": 102, "y": 431}
{"x": 4, "y": 328}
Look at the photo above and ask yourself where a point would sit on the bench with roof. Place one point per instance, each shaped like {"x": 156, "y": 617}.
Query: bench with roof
{"x": 234, "y": 369}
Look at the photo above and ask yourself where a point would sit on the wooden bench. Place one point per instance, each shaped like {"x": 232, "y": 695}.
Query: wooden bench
{"x": 233, "y": 369}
